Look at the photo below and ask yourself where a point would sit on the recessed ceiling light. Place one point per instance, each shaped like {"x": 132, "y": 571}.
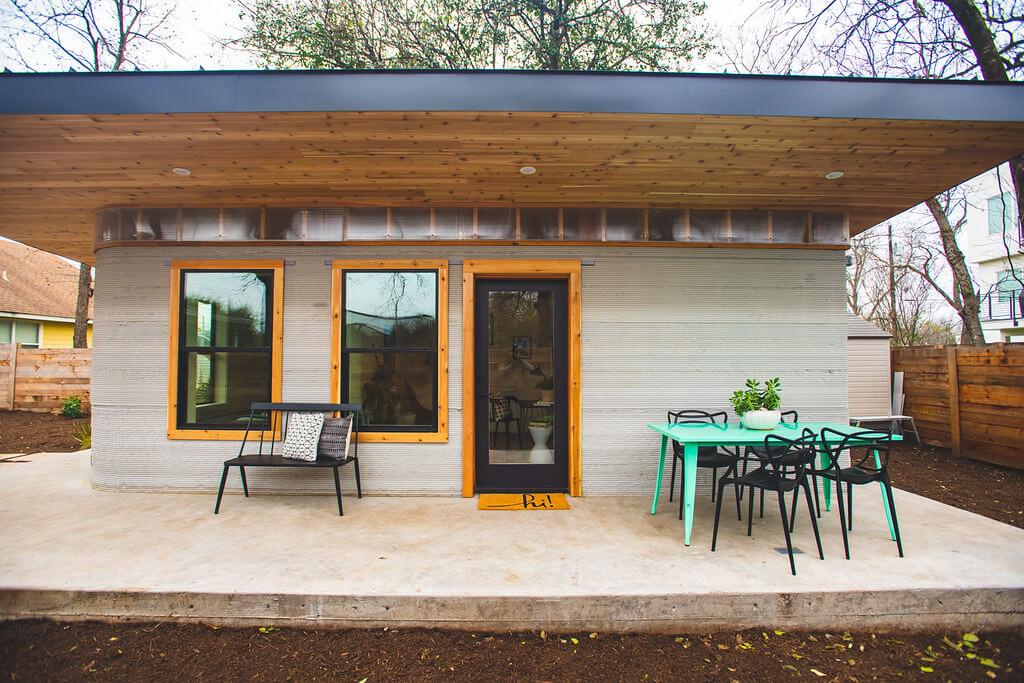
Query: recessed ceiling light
{"x": 527, "y": 170}
{"x": 181, "y": 171}
{"x": 834, "y": 175}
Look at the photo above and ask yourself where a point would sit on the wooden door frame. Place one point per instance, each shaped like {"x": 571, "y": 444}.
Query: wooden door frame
{"x": 553, "y": 269}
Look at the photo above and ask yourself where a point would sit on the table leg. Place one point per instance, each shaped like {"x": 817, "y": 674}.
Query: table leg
{"x": 885, "y": 501}
{"x": 661, "y": 470}
{"x": 828, "y": 482}
{"x": 690, "y": 489}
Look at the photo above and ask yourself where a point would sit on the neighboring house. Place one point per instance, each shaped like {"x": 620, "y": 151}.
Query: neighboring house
{"x": 992, "y": 212}
{"x": 458, "y": 251}
{"x": 869, "y": 376}
{"x": 38, "y": 296}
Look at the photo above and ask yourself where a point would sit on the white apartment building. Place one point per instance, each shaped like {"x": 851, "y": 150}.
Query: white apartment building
{"x": 992, "y": 208}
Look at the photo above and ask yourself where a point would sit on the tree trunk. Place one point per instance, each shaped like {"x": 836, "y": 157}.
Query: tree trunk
{"x": 81, "y": 335}
{"x": 970, "y": 311}
{"x": 978, "y": 34}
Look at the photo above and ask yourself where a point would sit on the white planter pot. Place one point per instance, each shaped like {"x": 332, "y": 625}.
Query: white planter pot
{"x": 761, "y": 419}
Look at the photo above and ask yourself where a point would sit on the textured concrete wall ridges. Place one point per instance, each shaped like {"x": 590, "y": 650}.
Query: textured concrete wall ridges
{"x": 662, "y": 328}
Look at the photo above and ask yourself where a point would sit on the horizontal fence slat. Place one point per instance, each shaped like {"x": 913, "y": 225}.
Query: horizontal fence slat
{"x": 45, "y": 377}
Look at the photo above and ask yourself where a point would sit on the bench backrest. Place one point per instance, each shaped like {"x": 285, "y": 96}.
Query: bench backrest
{"x": 271, "y": 421}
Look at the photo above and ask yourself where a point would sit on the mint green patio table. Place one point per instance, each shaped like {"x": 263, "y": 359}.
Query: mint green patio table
{"x": 693, "y": 436}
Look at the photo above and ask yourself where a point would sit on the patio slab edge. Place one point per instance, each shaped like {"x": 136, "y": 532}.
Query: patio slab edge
{"x": 904, "y": 610}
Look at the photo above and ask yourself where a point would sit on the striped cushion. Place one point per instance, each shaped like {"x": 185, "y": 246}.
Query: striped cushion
{"x": 335, "y": 437}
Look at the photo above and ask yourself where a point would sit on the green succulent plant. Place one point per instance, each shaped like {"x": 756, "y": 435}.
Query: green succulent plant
{"x": 755, "y": 398}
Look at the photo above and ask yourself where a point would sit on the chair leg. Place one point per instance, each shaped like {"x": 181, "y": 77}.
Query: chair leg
{"x": 220, "y": 491}
{"x": 762, "y": 503}
{"x": 737, "y": 492}
{"x": 359, "y": 485}
{"x": 849, "y": 504}
{"x": 718, "y": 515}
{"x": 714, "y": 482}
{"x": 792, "y": 514}
{"x": 750, "y": 509}
{"x": 744, "y": 474}
{"x": 785, "y": 529}
{"x": 810, "y": 513}
{"x": 672, "y": 479}
{"x": 245, "y": 484}
{"x": 337, "y": 490}
{"x": 892, "y": 512}
{"x": 817, "y": 501}
{"x": 842, "y": 516}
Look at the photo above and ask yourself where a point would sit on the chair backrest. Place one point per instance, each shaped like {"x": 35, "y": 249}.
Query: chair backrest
{"x": 834, "y": 443}
{"x": 786, "y": 459}
{"x": 275, "y": 416}
{"x": 791, "y": 414}
{"x": 696, "y": 417}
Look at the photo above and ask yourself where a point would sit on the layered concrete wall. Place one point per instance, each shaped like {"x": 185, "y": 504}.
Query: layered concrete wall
{"x": 663, "y": 328}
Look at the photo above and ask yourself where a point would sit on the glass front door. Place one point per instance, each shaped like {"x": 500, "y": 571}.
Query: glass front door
{"x": 521, "y": 386}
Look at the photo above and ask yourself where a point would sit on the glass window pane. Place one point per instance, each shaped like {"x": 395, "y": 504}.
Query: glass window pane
{"x": 453, "y": 224}
{"x": 538, "y": 224}
{"x": 26, "y": 333}
{"x": 367, "y": 224}
{"x": 156, "y": 224}
{"x": 396, "y": 389}
{"x": 789, "y": 227}
{"x": 200, "y": 225}
{"x": 5, "y": 331}
{"x": 583, "y": 225}
{"x": 495, "y": 224}
{"x": 410, "y": 224}
{"x": 666, "y": 225}
{"x": 285, "y": 224}
{"x": 222, "y": 386}
{"x": 391, "y": 308}
{"x": 227, "y": 309}
{"x": 749, "y": 226}
{"x": 240, "y": 224}
{"x": 623, "y": 225}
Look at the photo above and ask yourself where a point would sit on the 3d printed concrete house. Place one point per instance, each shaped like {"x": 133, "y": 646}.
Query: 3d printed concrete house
{"x": 513, "y": 272}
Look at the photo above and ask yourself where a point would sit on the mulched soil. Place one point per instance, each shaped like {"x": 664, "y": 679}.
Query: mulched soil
{"x": 985, "y": 489}
{"x": 22, "y": 432}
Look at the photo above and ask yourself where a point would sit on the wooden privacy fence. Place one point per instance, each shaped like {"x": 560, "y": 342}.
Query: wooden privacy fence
{"x": 43, "y": 378}
{"x": 967, "y": 398}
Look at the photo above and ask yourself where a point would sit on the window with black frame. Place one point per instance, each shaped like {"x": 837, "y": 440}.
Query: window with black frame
{"x": 225, "y": 346}
{"x": 389, "y": 348}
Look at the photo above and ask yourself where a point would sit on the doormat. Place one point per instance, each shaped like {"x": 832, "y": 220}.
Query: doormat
{"x": 522, "y": 501}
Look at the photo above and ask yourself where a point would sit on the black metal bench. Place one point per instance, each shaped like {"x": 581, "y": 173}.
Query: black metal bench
{"x": 266, "y": 417}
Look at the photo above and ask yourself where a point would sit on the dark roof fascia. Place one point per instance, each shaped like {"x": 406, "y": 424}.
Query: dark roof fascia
{"x": 526, "y": 91}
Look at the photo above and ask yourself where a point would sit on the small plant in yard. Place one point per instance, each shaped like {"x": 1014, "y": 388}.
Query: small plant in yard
{"x": 83, "y": 435}
{"x": 754, "y": 398}
{"x": 72, "y": 406}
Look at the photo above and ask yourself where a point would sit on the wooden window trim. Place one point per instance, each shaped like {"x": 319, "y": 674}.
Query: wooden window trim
{"x": 554, "y": 269}
{"x": 277, "y": 338}
{"x": 338, "y": 269}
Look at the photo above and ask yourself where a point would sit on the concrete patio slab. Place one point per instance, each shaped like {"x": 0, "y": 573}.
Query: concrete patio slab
{"x": 70, "y": 552}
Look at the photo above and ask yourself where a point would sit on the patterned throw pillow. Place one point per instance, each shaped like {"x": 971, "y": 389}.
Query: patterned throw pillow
{"x": 499, "y": 408}
{"x": 335, "y": 437}
{"x": 303, "y": 434}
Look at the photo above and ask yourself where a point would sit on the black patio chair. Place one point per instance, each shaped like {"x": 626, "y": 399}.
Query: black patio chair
{"x": 774, "y": 475}
{"x": 873, "y": 467}
{"x": 267, "y": 419}
{"x": 501, "y": 413}
{"x": 759, "y": 452}
{"x": 708, "y": 457}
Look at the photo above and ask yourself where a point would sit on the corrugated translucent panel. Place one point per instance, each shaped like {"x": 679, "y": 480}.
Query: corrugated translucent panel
{"x": 453, "y": 224}
{"x": 325, "y": 224}
{"x": 199, "y": 225}
{"x": 495, "y": 224}
{"x": 410, "y": 224}
{"x": 157, "y": 224}
{"x": 749, "y": 226}
{"x": 107, "y": 223}
{"x": 789, "y": 227}
{"x": 285, "y": 224}
{"x": 538, "y": 224}
{"x": 624, "y": 225}
{"x": 666, "y": 225}
{"x": 367, "y": 224}
{"x": 581, "y": 224}
{"x": 827, "y": 228}
{"x": 707, "y": 226}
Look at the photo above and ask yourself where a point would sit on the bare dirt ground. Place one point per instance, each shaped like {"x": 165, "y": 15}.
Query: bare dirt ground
{"x": 22, "y": 432}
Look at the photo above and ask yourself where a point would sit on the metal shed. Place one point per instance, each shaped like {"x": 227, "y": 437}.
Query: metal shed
{"x": 869, "y": 373}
